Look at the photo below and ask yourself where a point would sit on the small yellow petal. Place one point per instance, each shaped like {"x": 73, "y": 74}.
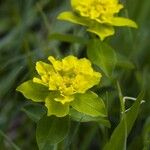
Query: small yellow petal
{"x": 56, "y": 63}
{"x": 43, "y": 68}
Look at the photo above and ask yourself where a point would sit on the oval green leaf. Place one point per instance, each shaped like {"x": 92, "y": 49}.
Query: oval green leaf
{"x": 51, "y": 130}
{"x": 90, "y": 104}
{"x": 35, "y": 92}
{"x": 102, "y": 55}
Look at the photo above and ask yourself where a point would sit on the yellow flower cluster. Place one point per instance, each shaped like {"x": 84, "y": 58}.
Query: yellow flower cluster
{"x": 67, "y": 76}
{"x": 101, "y": 11}
{"x": 99, "y": 16}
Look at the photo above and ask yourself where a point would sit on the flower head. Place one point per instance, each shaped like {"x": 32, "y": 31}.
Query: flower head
{"x": 67, "y": 77}
{"x": 100, "y": 10}
{"x": 65, "y": 83}
{"x": 98, "y": 15}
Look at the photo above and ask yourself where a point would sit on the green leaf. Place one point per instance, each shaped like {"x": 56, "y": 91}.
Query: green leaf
{"x": 102, "y": 31}
{"x": 89, "y": 103}
{"x": 51, "y": 130}
{"x": 102, "y": 55}
{"x": 35, "y": 92}
{"x": 56, "y": 108}
{"x": 133, "y": 112}
{"x": 120, "y": 21}
{"x": 119, "y": 136}
{"x": 80, "y": 117}
{"x": 34, "y": 111}
{"x": 70, "y": 16}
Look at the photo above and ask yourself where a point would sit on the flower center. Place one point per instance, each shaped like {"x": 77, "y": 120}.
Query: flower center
{"x": 62, "y": 81}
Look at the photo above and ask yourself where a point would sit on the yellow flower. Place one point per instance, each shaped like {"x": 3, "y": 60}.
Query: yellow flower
{"x": 98, "y": 15}
{"x": 64, "y": 85}
{"x": 67, "y": 77}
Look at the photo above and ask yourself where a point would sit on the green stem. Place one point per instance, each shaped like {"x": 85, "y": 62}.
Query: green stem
{"x": 121, "y": 99}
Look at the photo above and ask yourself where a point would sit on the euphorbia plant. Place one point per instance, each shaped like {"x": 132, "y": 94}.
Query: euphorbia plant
{"x": 64, "y": 86}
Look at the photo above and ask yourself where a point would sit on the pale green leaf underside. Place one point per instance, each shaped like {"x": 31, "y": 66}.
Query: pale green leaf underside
{"x": 89, "y": 103}
{"x": 33, "y": 91}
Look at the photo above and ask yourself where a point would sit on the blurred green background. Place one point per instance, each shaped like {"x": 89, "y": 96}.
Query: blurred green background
{"x": 27, "y": 30}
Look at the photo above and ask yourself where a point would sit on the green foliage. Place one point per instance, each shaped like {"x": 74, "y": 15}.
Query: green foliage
{"x": 81, "y": 117}
{"x": 124, "y": 62}
{"x": 51, "y": 130}
{"x": 146, "y": 135}
{"x": 56, "y": 108}
{"x": 35, "y": 112}
{"x": 119, "y": 136}
{"x": 29, "y": 31}
{"x": 90, "y": 104}
{"x": 102, "y": 55}
{"x": 33, "y": 91}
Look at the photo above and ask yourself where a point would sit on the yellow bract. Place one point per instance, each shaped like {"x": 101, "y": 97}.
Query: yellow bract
{"x": 99, "y": 16}
{"x": 67, "y": 76}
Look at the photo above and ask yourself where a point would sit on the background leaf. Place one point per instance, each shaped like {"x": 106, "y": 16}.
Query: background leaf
{"x": 146, "y": 135}
{"x": 34, "y": 111}
{"x": 80, "y": 117}
{"x": 68, "y": 38}
{"x": 102, "y": 55}
{"x": 118, "y": 137}
{"x": 51, "y": 130}
{"x": 124, "y": 62}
